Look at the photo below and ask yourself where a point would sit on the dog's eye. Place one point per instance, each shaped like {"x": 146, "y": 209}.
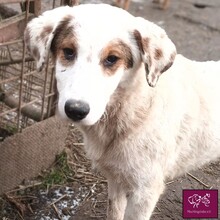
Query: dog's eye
{"x": 110, "y": 60}
{"x": 69, "y": 53}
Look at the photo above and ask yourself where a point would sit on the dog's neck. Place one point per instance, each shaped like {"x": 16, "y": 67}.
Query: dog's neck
{"x": 125, "y": 111}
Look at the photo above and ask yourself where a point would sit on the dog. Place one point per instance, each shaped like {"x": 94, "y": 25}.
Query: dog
{"x": 147, "y": 114}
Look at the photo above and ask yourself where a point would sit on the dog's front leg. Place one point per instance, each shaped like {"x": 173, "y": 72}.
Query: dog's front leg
{"x": 142, "y": 201}
{"x": 117, "y": 201}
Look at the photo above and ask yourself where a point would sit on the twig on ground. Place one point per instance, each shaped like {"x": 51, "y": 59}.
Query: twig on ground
{"x": 57, "y": 212}
{"x": 25, "y": 197}
{"x": 29, "y": 207}
{"x": 200, "y": 181}
{"x": 168, "y": 183}
{"x": 158, "y": 208}
{"x": 24, "y": 187}
{"x": 78, "y": 144}
{"x": 98, "y": 216}
{"x": 20, "y": 215}
{"x": 19, "y": 206}
{"x": 63, "y": 196}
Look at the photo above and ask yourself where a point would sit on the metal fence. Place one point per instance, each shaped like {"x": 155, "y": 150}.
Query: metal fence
{"x": 26, "y": 96}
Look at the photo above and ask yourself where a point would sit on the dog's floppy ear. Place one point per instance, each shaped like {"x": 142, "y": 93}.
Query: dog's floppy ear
{"x": 40, "y": 31}
{"x": 157, "y": 50}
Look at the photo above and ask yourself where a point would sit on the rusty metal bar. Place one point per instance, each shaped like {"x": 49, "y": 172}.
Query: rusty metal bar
{"x": 26, "y": 109}
{"x": 12, "y": 102}
{"x": 52, "y": 99}
{"x": 45, "y": 86}
{"x": 17, "y": 77}
{"x": 29, "y": 96}
{"x": 22, "y": 71}
{"x": 14, "y": 61}
{"x": 11, "y": 42}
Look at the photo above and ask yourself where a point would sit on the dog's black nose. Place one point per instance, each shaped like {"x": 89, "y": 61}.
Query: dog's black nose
{"x": 76, "y": 109}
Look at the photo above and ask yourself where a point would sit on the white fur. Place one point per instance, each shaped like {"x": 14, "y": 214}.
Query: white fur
{"x": 90, "y": 86}
{"x": 136, "y": 135}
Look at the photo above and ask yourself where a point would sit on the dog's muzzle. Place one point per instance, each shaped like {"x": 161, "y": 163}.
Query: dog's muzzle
{"x": 76, "y": 109}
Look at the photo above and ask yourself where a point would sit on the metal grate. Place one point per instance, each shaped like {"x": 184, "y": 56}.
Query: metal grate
{"x": 26, "y": 96}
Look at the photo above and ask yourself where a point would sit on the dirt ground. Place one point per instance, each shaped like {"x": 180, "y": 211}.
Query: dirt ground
{"x": 194, "y": 27}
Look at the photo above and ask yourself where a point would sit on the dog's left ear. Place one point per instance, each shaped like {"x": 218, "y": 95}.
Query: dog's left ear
{"x": 157, "y": 50}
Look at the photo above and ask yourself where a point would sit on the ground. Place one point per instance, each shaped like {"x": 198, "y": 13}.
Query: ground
{"x": 71, "y": 190}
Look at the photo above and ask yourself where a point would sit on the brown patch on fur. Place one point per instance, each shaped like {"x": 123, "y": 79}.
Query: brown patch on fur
{"x": 138, "y": 39}
{"x": 146, "y": 43}
{"x": 46, "y": 39}
{"x": 143, "y": 44}
{"x": 146, "y": 68}
{"x": 156, "y": 70}
{"x": 172, "y": 57}
{"x": 167, "y": 67}
{"x": 158, "y": 54}
{"x": 149, "y": 61}
{"x": 153, "y": 77}
{"x": 64, "y": 38}
{"x": 36, "y": 53}
{"x": 120, "y": 50}
{"x": 146, "y": 46}
{"x": 46, "y": 31}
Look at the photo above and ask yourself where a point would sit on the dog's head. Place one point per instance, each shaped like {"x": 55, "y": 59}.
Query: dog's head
{"x": 95, "y": 47}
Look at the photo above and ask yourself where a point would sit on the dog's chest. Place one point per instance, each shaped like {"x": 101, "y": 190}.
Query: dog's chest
{"x": 123, "y": 160}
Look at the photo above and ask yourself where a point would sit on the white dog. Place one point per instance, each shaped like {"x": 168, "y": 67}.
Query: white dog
{"x": 139, "y": 130}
